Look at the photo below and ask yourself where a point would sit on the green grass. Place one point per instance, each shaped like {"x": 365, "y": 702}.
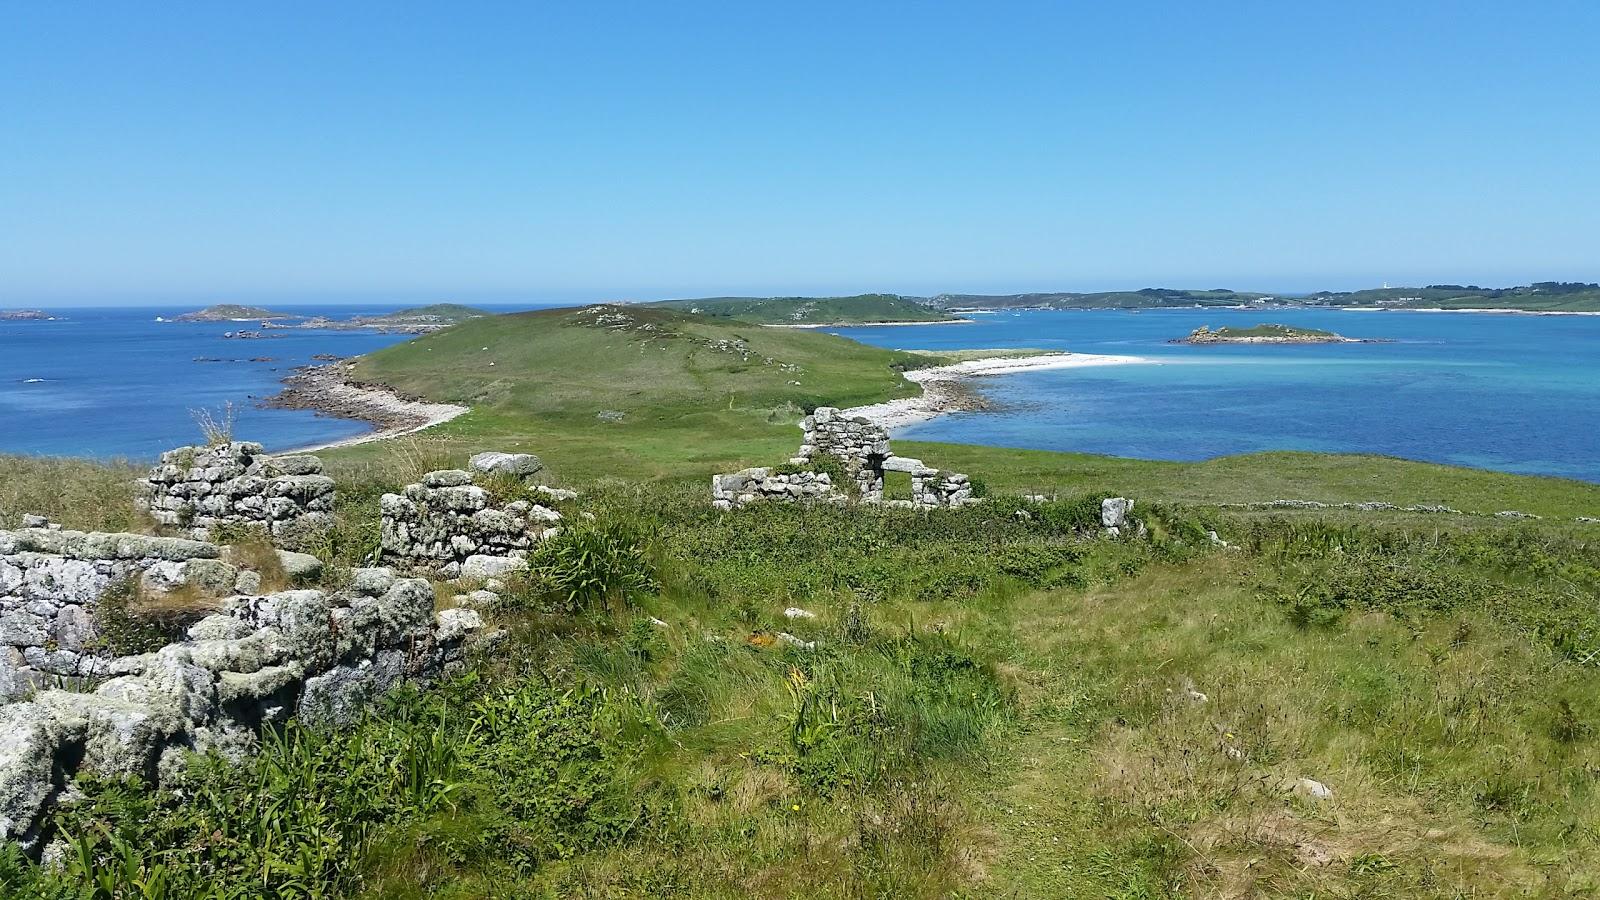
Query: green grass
{"x": 863, "y": 309}
{"x": 695, "y": 396}
{"x": 700, "y": 396}
{"x": 998, "y": 706}
{"x": 1259, "y": 477}
{"x": 77, "y": 493}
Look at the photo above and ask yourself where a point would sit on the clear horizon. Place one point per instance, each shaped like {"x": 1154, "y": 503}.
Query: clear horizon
{"x": 292, "y": 302}
{"x": 404, "y": 153}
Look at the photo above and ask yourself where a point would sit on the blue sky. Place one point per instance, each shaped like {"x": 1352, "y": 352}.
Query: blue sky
{"x": 521, "y": 151}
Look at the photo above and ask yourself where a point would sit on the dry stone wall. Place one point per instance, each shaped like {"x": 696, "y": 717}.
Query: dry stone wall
{"x": 51, "y": 581}
{"x": 750, "y": 485}
{"x": 451, "y": 524}
{"x": 321, "y": 657}
{"x": 202, "y": 487}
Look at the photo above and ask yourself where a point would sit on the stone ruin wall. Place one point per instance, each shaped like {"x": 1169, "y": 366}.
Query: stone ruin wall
{"x": 51, "y": 582}
{"x": 260, "y": 658}
{"x": 859, "y": 443}
{"x": 200, "y": 488}
{"x": 862, "y": 448}
{"x": 451, "y": 524}
{"x": 322, "y": 657}
{"x": 750, "y": 485}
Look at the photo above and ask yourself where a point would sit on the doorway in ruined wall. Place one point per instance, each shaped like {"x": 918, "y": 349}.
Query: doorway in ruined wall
{"x": 899, "y": 486}
{"x": 872, "y": 477}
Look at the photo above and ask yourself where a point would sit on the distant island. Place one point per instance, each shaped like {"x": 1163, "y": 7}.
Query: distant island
{"x": 231, "y": 312}
{"x": 436, "y": 314}
{"x": 25, "y": 315}
{"x": 411, "y": 320}
{"x": 1546, "y": 297}
{"x": 1266, "y": 334}
{"x": 1539, "y": 297}
{"x": 812, "y": 312}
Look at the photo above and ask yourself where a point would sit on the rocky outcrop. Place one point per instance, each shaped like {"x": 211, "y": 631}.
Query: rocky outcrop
{"x": 200, "y": 488}
{"x": 451, "y": 524}
{"x": 513, "y": 465}
{"x": 321, "y": 657}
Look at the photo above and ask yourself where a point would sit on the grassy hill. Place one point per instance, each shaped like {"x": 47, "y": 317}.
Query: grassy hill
{"x": 636, "y": 391}
{"x": 999, "y": 701}
{"x": 452, "y": 312}
{"x": 861, "y": 309}
{"x": 698, "y": 396}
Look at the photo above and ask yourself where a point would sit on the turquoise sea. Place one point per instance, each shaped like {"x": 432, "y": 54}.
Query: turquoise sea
{"x": 1508, "y": 392}
{"x": 1517, "y": 393}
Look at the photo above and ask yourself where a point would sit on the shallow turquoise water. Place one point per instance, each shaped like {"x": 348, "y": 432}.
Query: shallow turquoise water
{"x": 1513, "y": 393}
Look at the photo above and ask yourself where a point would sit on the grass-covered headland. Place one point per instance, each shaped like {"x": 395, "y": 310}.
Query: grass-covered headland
{"x": 1392, "y": 700}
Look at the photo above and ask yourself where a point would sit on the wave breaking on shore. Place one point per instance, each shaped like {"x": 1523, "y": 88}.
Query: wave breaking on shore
{"x": 944, "y": 388}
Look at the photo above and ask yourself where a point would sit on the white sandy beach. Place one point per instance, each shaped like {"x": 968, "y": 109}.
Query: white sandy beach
{"x": 940, "y": 397}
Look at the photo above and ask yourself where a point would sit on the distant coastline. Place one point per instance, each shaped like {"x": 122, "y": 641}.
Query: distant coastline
{"x": 1498, "y": 311}
{"x": 864, "y": 324}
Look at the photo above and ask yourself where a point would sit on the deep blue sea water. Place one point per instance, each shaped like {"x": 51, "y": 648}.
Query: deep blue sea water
{"x": 1508, "y": 392}
{"x": 115, "y": 382}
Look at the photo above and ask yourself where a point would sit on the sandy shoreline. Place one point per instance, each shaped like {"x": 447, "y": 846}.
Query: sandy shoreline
{"x": 942, "y": 390}
{"x": 326, "y": 390}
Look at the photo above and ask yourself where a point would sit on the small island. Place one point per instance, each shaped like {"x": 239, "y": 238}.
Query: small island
{"x": 1266, "y": 334}
{"x": 436, "y": 315}
{"x": 25, "y": 315}
{"x": 231, "y": 312}
{"x": 412, "y": 320}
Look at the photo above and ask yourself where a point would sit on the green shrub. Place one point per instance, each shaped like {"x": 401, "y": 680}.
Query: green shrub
{"x": 595, "y": 563}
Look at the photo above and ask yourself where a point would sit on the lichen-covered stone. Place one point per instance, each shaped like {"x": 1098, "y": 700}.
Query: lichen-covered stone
{"x": 325, "y": 657}
{"x": 203, "y": 487}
